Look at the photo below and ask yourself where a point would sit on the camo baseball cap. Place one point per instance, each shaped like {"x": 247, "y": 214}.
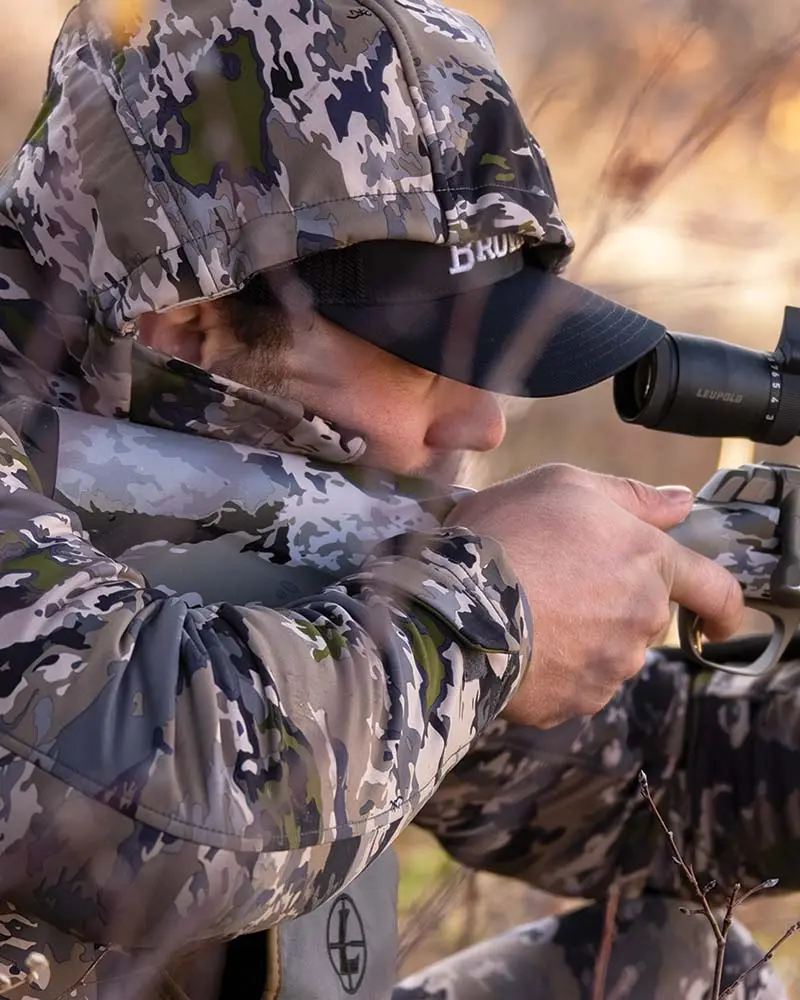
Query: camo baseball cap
{"x": 482, "y": 301}
{"x": 188, "y": 149}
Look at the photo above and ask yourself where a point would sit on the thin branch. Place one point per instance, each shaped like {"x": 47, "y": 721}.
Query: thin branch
{"x": 659, "y": 72}
{"x": 768, "y": 883}
{"x": 715, "y": 116}
{"x": 762, "y": 961}
{"x": 606, "y": 943}
{"x": 735, "y": 899}
{"x": 719, "y": 964}
{"x": 677, "y": 857}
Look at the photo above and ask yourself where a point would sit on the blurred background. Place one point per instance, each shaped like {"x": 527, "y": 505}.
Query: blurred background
{"x": 673, "y": 131}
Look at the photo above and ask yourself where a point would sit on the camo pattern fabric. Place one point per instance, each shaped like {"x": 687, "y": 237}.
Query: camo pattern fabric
{"x": 481, "y": 810}
{"x": 428, "y": 638}
{"x": 722, "y": 756}
{"x": 177, "y": 153}
{"x": 176, "y": 156}
{"x": 171, "y": 161}
{"x": 658, "y": 952}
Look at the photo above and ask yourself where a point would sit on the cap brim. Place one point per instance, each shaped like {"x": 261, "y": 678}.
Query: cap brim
{"x": 532, "y": 334}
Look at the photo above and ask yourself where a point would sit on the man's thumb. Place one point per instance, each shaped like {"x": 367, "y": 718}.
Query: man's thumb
{"x": 661, "y": 506}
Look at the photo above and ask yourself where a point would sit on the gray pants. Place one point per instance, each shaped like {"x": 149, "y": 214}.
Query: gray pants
{"x": 658, "y": 953}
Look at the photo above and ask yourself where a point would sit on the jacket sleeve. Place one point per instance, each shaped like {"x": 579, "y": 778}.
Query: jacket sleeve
{"x": 228, "y": 766}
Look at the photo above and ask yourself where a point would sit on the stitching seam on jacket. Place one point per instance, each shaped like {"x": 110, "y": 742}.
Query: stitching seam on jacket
{"x": 142, "y": 815}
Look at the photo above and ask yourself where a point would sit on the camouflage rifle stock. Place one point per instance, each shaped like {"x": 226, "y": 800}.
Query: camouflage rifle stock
{"x": 177, "y": 507}
{"x": 748, "y": 521}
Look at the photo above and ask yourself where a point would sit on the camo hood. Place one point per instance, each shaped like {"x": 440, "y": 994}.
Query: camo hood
{"x": 202, "y": 141}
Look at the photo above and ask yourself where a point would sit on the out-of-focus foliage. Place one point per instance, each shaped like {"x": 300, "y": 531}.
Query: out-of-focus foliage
{"x": 673, "y": 130}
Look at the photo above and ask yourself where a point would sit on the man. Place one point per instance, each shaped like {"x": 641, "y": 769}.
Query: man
{"x": 301, "y": 237}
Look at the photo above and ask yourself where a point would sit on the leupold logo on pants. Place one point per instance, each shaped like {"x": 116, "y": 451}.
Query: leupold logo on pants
{"x": 347, "y": 945}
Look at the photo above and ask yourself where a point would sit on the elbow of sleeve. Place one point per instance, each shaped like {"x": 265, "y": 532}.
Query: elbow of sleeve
{"x": 89, "y": 871}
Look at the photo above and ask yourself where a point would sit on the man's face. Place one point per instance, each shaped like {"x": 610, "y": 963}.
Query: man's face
{"x": 414, "y": 422}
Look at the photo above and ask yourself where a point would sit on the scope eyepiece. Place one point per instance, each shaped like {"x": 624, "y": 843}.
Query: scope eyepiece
{"x": 710, "y": 388}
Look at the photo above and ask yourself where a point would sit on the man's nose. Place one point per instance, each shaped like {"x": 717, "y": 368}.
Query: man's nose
{"x": 465, "y": 419}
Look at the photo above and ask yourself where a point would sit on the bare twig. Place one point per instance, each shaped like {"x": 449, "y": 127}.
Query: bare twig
{"x": 762, "y": 961}
{"x": 719, "y": 964}
{"x": 603, "y": 221}
{"x": 677, "y": 857}
{"x": 606, "y": 943}
{"x": 735, "y": 898}
{"x": 769, "y": 883}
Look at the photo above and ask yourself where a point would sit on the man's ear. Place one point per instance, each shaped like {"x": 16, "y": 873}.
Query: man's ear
{"x": 179, "y": 332}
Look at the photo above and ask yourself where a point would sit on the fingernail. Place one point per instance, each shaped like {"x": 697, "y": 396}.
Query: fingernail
{"x": 680, "y": 494}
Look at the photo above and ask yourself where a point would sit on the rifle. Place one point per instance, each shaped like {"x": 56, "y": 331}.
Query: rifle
{"x": 746, "y": 519}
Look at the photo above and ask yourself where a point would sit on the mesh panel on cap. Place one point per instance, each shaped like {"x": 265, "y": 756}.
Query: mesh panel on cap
{"x": 335, "y": 276}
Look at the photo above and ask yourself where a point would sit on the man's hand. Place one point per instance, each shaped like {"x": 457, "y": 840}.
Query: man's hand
{"x": 599, "y": 573}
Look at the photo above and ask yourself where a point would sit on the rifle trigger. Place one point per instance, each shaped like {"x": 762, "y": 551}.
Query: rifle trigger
{"x": 785, "y": 621}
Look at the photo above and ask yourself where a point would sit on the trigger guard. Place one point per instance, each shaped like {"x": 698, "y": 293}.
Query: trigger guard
{"x": 763, "y": 665}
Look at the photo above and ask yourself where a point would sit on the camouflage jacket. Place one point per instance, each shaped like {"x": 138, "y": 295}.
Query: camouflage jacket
{"x": 179, "y": 771}
{"x": 178, "y": 763}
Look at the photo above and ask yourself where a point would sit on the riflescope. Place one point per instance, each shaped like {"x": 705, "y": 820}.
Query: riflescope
{"x": 709, "y": 388}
